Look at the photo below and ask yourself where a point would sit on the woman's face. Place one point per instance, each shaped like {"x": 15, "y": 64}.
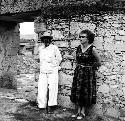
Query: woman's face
{"x": 83, "y": 39}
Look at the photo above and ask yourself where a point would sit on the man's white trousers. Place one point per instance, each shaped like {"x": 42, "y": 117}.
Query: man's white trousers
{"x": 47, "y": 81}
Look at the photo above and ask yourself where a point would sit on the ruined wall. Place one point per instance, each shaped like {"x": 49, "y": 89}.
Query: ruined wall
{"x": 110, "y": 33}
{"x": 51, "y": 7}
{"x": 9, "y": 44}
{"x": 18, "y": 6}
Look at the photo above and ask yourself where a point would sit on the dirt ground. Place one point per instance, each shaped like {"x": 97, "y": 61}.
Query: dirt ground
{"x": 12, "y": 109}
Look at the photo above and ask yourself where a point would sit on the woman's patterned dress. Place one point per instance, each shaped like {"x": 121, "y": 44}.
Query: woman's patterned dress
{"x": 83, "y": 91}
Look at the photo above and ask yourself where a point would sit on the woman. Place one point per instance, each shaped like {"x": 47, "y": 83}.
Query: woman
{"x": 50, "y": 59}
{"x": 83, "y": 91}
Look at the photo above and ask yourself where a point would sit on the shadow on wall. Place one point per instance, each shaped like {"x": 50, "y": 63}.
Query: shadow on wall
{"x": 8, "y": 81}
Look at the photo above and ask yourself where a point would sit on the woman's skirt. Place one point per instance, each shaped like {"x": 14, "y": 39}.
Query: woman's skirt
{"x": 83, "y": 91}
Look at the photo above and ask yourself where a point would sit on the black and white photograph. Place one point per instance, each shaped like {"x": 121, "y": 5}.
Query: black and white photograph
{"x": 62, "y": 60}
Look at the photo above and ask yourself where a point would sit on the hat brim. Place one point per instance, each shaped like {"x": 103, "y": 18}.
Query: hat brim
{"x": 46, "y": 37}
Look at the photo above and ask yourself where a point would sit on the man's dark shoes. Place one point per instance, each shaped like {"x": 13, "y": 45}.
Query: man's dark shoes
{"x": 50, "y": 110}
{"x": 42, "y": 110}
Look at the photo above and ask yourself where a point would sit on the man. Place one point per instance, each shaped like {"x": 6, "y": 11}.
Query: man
{"x": 50, "y": 59}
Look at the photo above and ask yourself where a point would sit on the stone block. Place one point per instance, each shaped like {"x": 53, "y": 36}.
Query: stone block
{"x": 119, "y": 46}
{"x": 74, "y": 43}
{"x": 64, "y": 89}
{"x": 61, "y": 43}
{"x": 119, "y": 38}
{"x": 57, "y": 35}
{"x": 26, "y": 85}
{"x": 101, "y": 31}
{"x": 122, "y": 112}
{"x": 96, "y": 109}
{"x": 39, "y": 27}
{"x": 104, "y": 88}
{"x": 66, "y": 64}
{"x": 16, "y": 30}
{"x": 68, "y": 53}
{"x": 121, "y": 32}
{"x": 109, "y": 46}
{"x": 116, "y": 25}
{"x": 13, "y": 51}
{"x": 123, "y": 91}
{"x": 110, "y": 32}
{"x": 112, "y": 112}
{"x": 7, "y": 80}
{"x": 65, "y": 79}
{"x": 65, "y": 102}
{"x": 14, "y": 40}
{"x": 123, "y": 79}
{"x": 103, "y": 69}
{"x": 31, "y": 96}
{"x": 98, "y": 43}
{"x": 77, "y": 27}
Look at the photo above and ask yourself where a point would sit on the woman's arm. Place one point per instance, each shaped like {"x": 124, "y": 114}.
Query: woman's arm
{"x": 97, "y": 57}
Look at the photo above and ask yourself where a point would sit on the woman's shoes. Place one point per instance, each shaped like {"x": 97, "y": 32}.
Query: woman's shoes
{"x": 78, "y": 116}
{"x": 74, "y": 116}
{"x": 81, "y": 116}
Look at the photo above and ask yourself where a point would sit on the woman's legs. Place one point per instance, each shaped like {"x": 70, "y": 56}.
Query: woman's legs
{"x": 79, "y": 109}
{"x": 78, "y": 112}
{"x": 81, "y": 112}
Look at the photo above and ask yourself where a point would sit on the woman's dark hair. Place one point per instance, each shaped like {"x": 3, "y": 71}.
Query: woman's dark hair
{"x": 90, "y": 35}
{"x": 47, "y": 40}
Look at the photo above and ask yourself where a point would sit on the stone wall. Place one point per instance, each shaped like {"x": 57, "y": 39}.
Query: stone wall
{"x": 109, "y": 41}
{"x": 19, "y": 6}
{"x": 12, "y": 6}
{"x": 110, "y": 33}
{"x": 9, "y": 44}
